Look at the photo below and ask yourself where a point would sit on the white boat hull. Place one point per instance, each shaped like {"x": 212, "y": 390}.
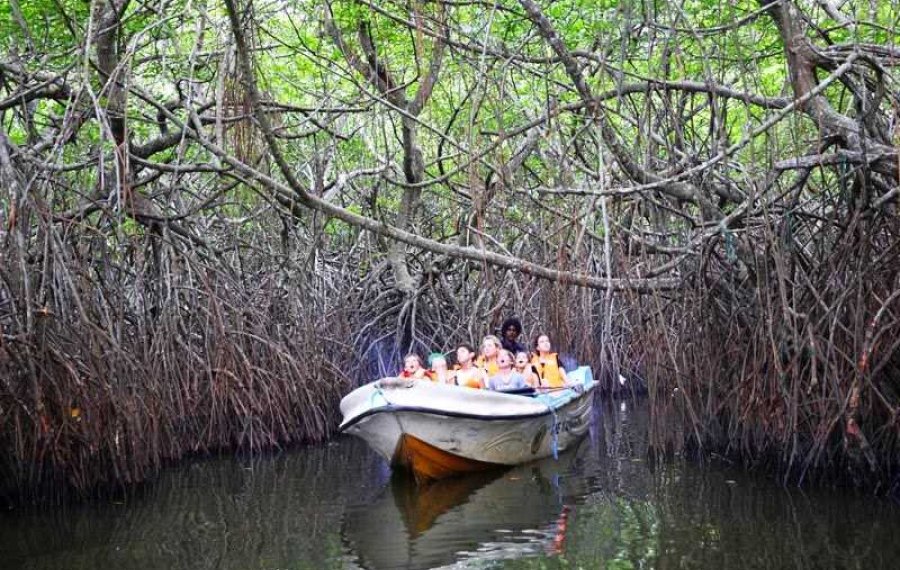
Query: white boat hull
{"x": 418, "y": 423}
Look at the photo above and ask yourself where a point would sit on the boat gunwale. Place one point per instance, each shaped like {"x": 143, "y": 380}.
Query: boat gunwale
{"x": 458, "y": 415}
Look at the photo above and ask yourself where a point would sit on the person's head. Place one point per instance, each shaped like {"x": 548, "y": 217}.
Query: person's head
{"x": 437, "y": 362}
{"x": 412, "y": 363}
{"x": 511, "y": 329}
{"x": 521, "y": 360}
{"x": 504, "y": 360}
{"x": 464, "y": 354}
{"x": 490, "y": 345}
{"x": 542, "y": 343}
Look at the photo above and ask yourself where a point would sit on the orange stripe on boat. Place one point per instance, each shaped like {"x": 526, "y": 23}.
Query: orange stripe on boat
{"x": 429, "y": 462}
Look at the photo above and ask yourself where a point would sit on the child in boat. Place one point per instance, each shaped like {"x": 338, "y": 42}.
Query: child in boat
{"x": 524, "y": 367}
{"x": 546, "y": 363}
{"x": 468, "y": 374}
{"x": 506, "y": 378}
{"x": 490, "y": 348}
{"x": 412, "y": 367}
{"x": 439, "y": 373}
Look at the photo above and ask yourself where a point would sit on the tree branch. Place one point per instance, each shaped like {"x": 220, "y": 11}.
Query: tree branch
{"x": 294, "y": 188}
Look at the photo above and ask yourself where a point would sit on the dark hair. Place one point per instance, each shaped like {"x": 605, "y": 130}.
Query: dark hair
{"x": 511, "y": 322}
{"x": 538, "y": 336}
{"x": 467, "y": 346}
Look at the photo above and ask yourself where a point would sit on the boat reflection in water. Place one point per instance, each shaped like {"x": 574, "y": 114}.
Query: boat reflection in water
{"x": 503, "y": 514}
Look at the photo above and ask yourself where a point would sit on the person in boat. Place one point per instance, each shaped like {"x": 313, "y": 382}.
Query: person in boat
{"x": 490, "y": 348}
{"x": 467, "y": 374}
{"x": 412, "y": 367}
{"x": 524, "y": 367}
{"x": 509, "y": 335}
{"x": 546, "y": 363}
{"x": 506, "y": 378}
{"x": 438, "y": 372}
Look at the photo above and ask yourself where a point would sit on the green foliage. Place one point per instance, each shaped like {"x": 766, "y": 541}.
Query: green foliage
{"x": 497, "y": 76}
{"x": 55, "y": 26}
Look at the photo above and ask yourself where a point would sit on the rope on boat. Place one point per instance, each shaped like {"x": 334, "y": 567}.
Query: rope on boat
{"x": 554, "y": 441}
{"x": 377, "y": 392}
{"x": 554, "y": 432}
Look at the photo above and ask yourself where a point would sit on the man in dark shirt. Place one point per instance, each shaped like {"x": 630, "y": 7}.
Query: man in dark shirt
{"x": 509, "y": 335}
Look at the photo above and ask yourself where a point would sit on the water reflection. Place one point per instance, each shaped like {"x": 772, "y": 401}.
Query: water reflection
{"x": 337, "y": 506}
{"x": 511, "y": 513}
{"x": 272, "y": 512}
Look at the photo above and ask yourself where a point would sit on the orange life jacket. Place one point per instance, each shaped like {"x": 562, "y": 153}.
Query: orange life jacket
{"x": 492, "y": 368}
{"x": 470, "y": 378}
{"x": 548, "y": 370}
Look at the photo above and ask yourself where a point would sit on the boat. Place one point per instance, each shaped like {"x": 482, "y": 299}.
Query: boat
{"x": 439, "y": 430}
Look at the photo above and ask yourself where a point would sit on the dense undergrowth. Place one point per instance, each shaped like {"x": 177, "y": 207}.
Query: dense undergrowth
{"x": 217, "y": 219}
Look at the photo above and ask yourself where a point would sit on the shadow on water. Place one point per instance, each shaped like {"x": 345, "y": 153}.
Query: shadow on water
{"x": 602, "y": 505}
{"x": 492, "y": 515}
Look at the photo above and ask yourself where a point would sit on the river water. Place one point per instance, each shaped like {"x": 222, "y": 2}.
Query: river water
{"x": 602, "y": 505}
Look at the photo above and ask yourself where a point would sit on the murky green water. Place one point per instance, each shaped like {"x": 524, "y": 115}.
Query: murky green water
{"x": 337, "y": 506}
